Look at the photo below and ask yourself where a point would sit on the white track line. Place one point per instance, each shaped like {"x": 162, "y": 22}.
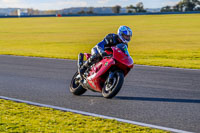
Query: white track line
{"x": 95, "y": 115}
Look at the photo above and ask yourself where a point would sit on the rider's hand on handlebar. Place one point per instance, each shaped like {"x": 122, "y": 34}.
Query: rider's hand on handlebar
{"x": 104, "y": 54}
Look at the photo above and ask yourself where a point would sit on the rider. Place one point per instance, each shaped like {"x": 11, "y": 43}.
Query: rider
{"x": 123, "y": 36}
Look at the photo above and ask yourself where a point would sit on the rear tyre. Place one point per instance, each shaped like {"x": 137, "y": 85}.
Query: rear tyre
{"x": 111, "y": 89}
{"x": 75, "y": 86}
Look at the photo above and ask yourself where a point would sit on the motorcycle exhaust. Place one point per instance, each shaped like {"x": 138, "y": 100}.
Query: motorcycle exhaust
{"x": 80, "y": 60}
{"x": 80, "y": 63}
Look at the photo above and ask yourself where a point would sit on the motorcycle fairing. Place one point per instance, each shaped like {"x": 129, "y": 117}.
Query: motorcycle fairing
{"x": 122, "y": 57}
{"x": 97, "y": 71}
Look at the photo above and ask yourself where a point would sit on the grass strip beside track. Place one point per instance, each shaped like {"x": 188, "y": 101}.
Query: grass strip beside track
{"x": 20, "y": 117}
{"x": 160, "y": 40}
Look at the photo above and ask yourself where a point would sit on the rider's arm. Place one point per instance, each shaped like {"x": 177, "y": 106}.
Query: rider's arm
{"x": 100, "y": 46}
{"x": 106, "y": 41}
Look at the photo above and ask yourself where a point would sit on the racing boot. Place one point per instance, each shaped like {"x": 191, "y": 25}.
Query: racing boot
{"x": 86, "y": 65}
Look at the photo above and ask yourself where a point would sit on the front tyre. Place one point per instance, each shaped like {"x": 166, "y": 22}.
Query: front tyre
{"x": 111, "y": 89}
{"x": 75, "y": 86}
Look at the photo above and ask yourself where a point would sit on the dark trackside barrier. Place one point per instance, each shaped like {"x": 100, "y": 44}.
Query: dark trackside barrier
{"x": 27, "y": 16}
{"x": 111, "y": 14}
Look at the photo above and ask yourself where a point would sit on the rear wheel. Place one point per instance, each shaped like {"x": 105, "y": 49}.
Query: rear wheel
{"x": 75, "y": 86}
{"x": 111, "y": 89}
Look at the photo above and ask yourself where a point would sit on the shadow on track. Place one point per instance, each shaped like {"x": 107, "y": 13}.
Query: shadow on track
{"x": 158, "y": 99}
{"x": 149, "y": 99}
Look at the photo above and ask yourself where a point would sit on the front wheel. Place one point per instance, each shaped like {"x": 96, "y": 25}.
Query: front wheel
{"x": 111, "y": 89}
{"x": 75, "y": 86}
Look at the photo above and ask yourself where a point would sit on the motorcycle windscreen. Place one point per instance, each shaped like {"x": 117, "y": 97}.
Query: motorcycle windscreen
{"x": 121, "y": 54}
{"x": 123, "y": 48}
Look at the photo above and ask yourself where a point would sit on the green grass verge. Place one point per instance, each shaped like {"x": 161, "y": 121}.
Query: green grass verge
{"x": 20, "y": 117}
{"x": 161, "y": 40}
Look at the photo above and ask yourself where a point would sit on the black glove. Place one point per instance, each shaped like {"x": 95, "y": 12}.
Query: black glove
{"x": 103, "y": 54}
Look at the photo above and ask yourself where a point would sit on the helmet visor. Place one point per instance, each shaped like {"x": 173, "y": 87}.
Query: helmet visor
{"x": 126, "y": 37}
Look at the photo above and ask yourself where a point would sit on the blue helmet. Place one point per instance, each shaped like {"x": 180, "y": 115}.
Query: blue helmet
{"x": 125, "y": 34}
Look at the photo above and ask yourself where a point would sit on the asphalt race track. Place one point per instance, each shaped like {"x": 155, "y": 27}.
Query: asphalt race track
{"x": 155, "y": 95}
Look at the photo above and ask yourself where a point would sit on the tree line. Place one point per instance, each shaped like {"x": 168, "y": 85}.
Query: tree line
{"x": 139, "y": 7}
{"x": 183, "y": 6}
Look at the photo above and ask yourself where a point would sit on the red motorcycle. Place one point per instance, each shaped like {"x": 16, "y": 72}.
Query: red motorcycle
{"x": 106, "y": 76}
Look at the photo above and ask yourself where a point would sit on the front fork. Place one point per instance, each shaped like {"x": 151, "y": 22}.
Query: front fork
{"x": 110, "y": 77}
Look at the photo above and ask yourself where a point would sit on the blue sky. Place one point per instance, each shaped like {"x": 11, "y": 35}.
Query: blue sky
{"x": 60, "y": 4}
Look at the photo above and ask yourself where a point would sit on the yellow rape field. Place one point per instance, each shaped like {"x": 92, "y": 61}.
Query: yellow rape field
{"x": 159, "y": 40}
